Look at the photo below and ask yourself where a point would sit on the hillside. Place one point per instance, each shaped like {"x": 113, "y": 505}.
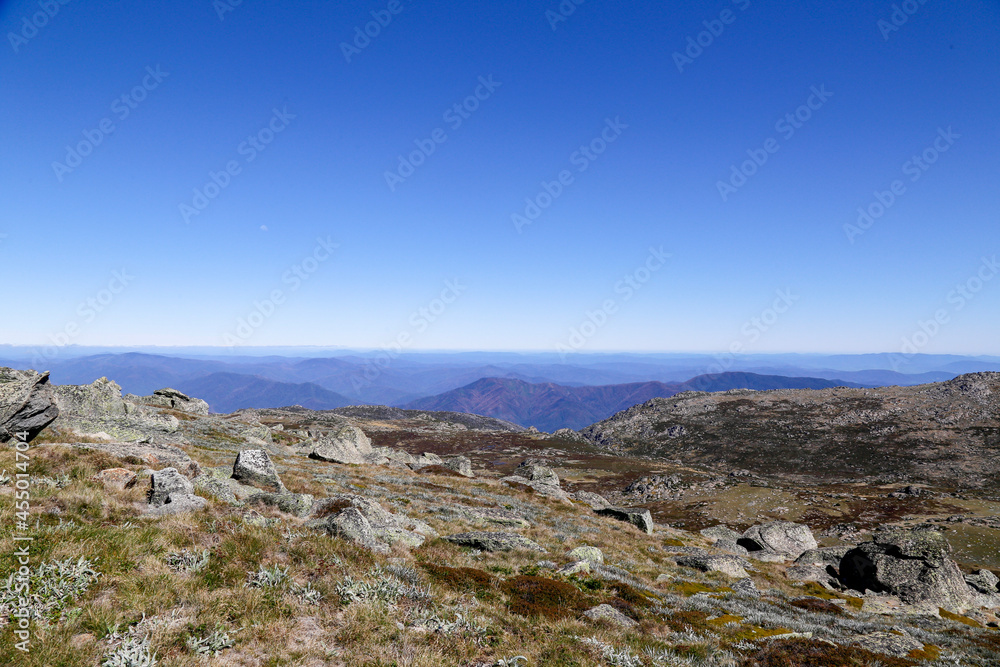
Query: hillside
{"x": 549, "y": 406}
{"x": 946, "y": 433}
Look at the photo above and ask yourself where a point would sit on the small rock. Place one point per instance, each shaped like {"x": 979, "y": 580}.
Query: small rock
{"x": 254, "y": 466}
{"x": 537, "y": 473}
{"x": 296, "y": 504}
{"x": 167, "y": 482}
{"x": 594, "y": 500}
{"x": 605, "y": 612}
{"x": 460, "y": 464}
{"x": 720, "y": 532}
{"x": 731, "y": 566}
{"x": 348, "y": 445}
{"x": 486, "y": 541}
{"x": 587, "y": 553}
{"x": 637, "y": 516}
{"x": 780, "y": 537}
{"x": 426, "y": 459}
{"x": 177, "y": 503}
{"x": 575, "y": 568}
{"x": 983, "y": 581}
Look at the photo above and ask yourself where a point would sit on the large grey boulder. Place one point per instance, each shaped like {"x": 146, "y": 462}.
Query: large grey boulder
{"x": 347, "y": 444}
{"x": 99, "y": 409}
{"x": 715, "y": 533}
{"x": 460, "y": 464}
{"x": 254, "y": 467}
{"x": 424, "y": 460}
{"x": 177, "y": 503}
{"x": 639, "y": 517}
{"x": 165, "y": 483}
{"x": 914, "y": 565}
{"x": 588, "y": 554}
{"x": 173, "y": 399}
{"x": 540, "y": 487}
{"x": 783, "y": 538}
{"x": 537, "y": 473}
{"x": 983, "y": 581}
{"x": 593, "y": 500}
{"x": 380, "y": 528}
{"x": 27, "y": 404}
{"x": 485, "y": 541}
{"x": 731, "y": 566}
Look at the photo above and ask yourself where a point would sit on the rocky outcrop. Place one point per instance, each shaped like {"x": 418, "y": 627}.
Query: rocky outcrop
{"x": 485, "y": 541}
{"x": 914, "y": 565}
{"x": 594, "y": 500}
{"x": 783, "y": 538}
{"x": 254, "y": 467}
{"x": 716, "y": 533}
{"x": 27, "y": 404}
{"x": 537, "y": 473}
{"x": 173, "y": 399}
{"x": 348, "y": 445}
{"x": 639, "y": 517}
{"x": 731, "y": 566}
{"x": 296, "y": 504}
{"x": 171, "y": 493}
{"x": 99, "y": 409}
{"x": 460, "y": 464}
{"x": 367, "y": 523}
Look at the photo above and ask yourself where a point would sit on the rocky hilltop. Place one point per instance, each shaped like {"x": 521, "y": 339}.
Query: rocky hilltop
{"x": 162, "y": 534}
{"x": 947, "y": 433}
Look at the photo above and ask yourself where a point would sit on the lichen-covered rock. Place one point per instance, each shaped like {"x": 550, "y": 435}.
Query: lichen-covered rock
{"x": 779, "y": 537}
{"x": 486, "y": 541}
{"x": 605, "y": 612}
{"x": 494, "y": 515}
{"x": 173, "y": 399}
{"x": 914, "y": 565}
{"x": 639, "y": 517}
{"x": 460, "y": 464}
{"x": 99, "y": 408}
{"x": 165, "y": 483}
{"x": 542, "y": 488}
{"x": 537, "y": 473}
{"x": 587, "y": 553}
{"x": 823, "y": 556}
{"x": 576, "y": 567}
{"x": 177, "y": 503}
{"x": 348, "y": 445}
{"x": 731, "y": 566}
{"x": 983, "y": 581}
{"x": 254, "y": 467}
{"x": 593, "y": 500}
{"x": 381, "y": 526}
{"x": 426, "y": 459}
{"x": 720, "y": 532}
{"x": 296, "y": 504}
{"x": 27, "y": 404}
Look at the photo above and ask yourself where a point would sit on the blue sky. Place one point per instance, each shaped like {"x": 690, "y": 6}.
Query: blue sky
{"x": 307, "y": 243}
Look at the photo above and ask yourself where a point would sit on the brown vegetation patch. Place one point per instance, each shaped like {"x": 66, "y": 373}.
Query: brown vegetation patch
{"x": 464, "y": 579}
{"x": 815, "y": 604}
{"x": 438, "y": 470}
{"x": 813, "y": 653}
{"x": 548, "y": 598}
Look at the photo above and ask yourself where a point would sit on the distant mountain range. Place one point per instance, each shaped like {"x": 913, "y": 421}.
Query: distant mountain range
{"x": 229, "y": 380}
{"x": 549, "y": 406}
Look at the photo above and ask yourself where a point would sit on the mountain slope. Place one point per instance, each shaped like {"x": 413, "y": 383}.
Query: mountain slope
{"x": 946, "y": 433}
{"x": 228, "y": 392}
{"x": 549, "y": 406}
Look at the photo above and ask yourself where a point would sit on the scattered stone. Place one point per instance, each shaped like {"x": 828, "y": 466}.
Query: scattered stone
{"x": 605, "y": 612}
{"x": 165, "y": 483}
{"x": 177, "y": 503}
{"x": 594, "y": 500}
{"x": 296, "y": 504}
{"x": 351, "y": 524}
{"x": 254, "y": 466}
{"x": 27, "y": 404}
{"x": 779, "y": 537}
{"x": 99, "y": 407}
{"x": 395, "y": 455}
{"x": 914, "y": 565}
{"x": 494, "y": 515}
{"x": 460, "y": 464}
{"x": 983, "y": 581}
{"x": 823, "y": 556}
{"x": 537, "y": 473}
{"x": 485, "y": 541}
{"x": 731, "y": 566}
{"x": 348, "y": 445}
{"x": 639, "y": 517}
{"x": 575, "y": 568}
{"x": 176, "y": 400}
{"x": 589, "y": 554}
{"x": 720, "y": 532}
{"x": 426, "y": 459}
{"x": 117, "y": 478}
{"x": 541, "y": 488}
{"x": 381, "y": 528}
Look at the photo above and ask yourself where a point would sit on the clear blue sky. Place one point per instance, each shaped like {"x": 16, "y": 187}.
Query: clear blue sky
{"x": 672, "y": 130}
